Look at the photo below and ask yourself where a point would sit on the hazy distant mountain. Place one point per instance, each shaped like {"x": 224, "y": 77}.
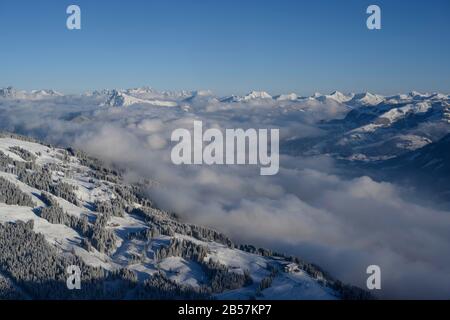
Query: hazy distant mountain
{"x": 121, "y": 99}
{"x": 12, "y": 93}
{"x": 366, "y": 99}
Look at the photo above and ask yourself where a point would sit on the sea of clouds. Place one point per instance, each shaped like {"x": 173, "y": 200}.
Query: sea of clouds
{"x": 310, "y": 208}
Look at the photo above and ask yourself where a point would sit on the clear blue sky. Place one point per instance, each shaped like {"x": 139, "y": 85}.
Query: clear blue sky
{"x": 228, "y": 46}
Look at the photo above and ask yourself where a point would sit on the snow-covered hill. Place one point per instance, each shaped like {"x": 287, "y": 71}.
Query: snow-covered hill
{"x": 388, "y": 118}
{"x": 61, "y": 207}
{"x": 340, "y": 97}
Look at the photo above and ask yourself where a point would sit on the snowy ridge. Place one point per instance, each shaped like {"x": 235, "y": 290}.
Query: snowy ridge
{"x": 340, "y": 97}
{"x": 150, "y": 96}
{"x": 366, "y": 99}
{"x": 395, "y": 114}
{"x": 120, "y": 99}
{"x": 252, "y": 96}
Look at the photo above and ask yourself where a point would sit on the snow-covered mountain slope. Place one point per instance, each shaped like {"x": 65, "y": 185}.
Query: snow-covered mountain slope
{"x": 384, "y": 131}
{"x": 150, "y": 96}
{"x": 388, "y": 118}
{"x": 366, "y": 99}
{"x": 60, "y": 207}
{"x": 335, "y": 96}
{"x": 433, "y": 158}
{"x": 429, "y": 166}
{"x": 257, "y": 95}
{"x": 425, "y": 168}
{"x": 251, "y": 96}
{"x": 121, "y": 99}
{"x": 41, "y": 94}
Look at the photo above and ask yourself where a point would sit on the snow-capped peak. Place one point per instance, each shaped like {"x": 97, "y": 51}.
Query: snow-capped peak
{"x": 254, "y": 95}
{"x": 134, "y": 237}
{"x": 8, "y": 92}
{"x": 366, "y": 99}
{"x": 45, "y": 93}
{"x": 121, "y": 99}
{"x": 340, "y": 97}
{"x": 257, "y": 95}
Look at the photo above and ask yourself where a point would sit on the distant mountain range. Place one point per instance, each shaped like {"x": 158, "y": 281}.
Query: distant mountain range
{"x": 146, "y": 95}
{"x": 386, "y": 129}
